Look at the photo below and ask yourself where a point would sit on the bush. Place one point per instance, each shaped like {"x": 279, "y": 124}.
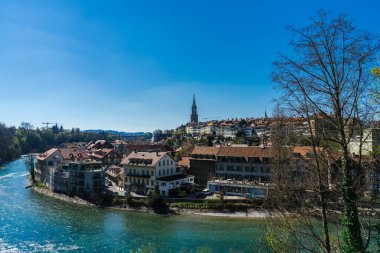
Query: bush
{"x": 154, "y": 200}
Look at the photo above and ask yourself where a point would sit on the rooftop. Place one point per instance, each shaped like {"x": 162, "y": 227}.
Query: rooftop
{"x": 143, "y": 158}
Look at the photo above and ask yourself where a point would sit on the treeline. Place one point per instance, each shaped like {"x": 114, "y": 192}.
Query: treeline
{"x": 27, "y": 139}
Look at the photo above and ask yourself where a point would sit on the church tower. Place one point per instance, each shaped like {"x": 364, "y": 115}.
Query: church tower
{"x": 194, "y": 114}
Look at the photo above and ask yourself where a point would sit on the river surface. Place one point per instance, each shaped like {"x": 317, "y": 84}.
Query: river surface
{"x": 30, "y": 222}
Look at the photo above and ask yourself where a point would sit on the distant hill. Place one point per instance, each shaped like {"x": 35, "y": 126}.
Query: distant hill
{"x": 124, "y": 134}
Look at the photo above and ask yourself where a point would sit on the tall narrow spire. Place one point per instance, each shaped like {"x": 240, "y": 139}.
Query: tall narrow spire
{"x": 194, "y": 114}
{"x": 266, "y": 115}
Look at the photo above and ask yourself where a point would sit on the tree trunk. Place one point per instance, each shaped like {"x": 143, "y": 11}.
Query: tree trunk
{"x": 352, "y": 237}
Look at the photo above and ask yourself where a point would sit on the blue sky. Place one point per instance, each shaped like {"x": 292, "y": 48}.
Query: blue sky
{"x": 134, "y": 65}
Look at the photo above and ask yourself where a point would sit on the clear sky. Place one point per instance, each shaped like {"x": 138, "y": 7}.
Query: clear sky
{"x": 134, "y": 65}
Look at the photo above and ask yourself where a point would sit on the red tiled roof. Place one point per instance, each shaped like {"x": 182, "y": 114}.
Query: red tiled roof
{"x": 46, "y": 154}
{"x": 202, "y": 150}
{"x": 245, "y": 152}
{"x": 75, "y": 152}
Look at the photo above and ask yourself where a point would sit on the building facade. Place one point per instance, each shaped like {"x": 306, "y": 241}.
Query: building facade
{"x": 251, "y": 163}
{"x": 86, "y": 178}
{"x": 202, "y": 164}
{"x": 145, "y": 171}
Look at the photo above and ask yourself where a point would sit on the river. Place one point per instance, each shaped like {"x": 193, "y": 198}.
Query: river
{"x": 30, "y": 222}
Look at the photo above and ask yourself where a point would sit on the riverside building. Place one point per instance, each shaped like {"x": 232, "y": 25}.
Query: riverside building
{"x": 145, "y": 171}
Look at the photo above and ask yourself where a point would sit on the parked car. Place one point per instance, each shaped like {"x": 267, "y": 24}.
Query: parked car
{"x": 206, "y": 192}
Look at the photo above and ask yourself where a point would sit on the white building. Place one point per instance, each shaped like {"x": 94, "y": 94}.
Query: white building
{"x": 241, "y": 188}
{"x": 229, "y": 132}
{"x": 146, "y": 170}
{"x": 370, "y": 141}
{"x": 193, "y": 130}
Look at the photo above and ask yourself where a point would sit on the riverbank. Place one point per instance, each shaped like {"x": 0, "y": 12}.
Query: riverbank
{"x": 249, "y": 214}
{"x": 61, "y": 196}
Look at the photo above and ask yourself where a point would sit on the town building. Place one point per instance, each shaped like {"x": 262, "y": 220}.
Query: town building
{"x": 99, "y": 144}
{"x": 193, "y": 129}
{"x": 86, "y": 179}
{"x": 243, "y": 188}
{"x": 146, "y": 147}
{"x": 145, "y": 171}
{"x": 251, "y": 163}
{"x": 54, "y": 161}
{"x": 202, "y": 164}
{"x": 106, "y": 156}
{"x": 115, "y": 174}
{"x": 369, "y": 141}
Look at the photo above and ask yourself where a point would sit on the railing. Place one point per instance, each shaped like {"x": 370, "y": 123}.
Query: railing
{"x": 137, "y": 175}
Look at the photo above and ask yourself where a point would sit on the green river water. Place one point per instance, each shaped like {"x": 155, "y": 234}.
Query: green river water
{"x": 30, "y": 222}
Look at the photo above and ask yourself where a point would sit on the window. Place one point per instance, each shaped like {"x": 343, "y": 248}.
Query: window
{"x": 159, "y": 163}
{"x": 159, "y": 172}
{"x": 152, "y": 173}
{"x": 163, "y": 172}
{"x": 171, "y": 162}
{"x": 171, "y": 170}
{"x": 230, "y": 168}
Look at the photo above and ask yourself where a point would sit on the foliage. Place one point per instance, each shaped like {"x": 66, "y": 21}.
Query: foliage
{"x": 376, "y": 91}
{"x": 154, "y": 199}
{"x": 30, "y": 164}
{"x": 216, "y": 204}
{"x": 116, "y": 200}
{"x": 376, "y": 71}
{"x": 41, "y": 185}
{"x": 26, "y": 139}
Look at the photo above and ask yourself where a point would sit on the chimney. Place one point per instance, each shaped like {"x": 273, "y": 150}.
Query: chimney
{"x": 157, "y": 153}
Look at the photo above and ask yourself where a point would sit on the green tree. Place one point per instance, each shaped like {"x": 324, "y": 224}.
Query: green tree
{"x": 376, "y": 89}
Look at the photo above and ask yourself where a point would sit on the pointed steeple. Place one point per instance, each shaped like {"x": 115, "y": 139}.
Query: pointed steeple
{"x": 266, "y": 115}
{"x": 194, "y": 114}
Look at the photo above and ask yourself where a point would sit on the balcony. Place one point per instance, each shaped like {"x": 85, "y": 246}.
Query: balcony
{"x": 138, "y": 175}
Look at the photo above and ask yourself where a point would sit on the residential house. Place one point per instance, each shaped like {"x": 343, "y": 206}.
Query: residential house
{"x": 146, "y": 170}
{"x": 106, "y": 156}
{"x": 52, "y": 163}
{"x": 115, "y": 174}
{"x": 369, "y": 141}
{"x": 86, "y": 178}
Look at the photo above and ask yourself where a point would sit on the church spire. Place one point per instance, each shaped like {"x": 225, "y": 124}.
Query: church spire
{"x": 266, "y": 115}
{"x": 194, "y": 114}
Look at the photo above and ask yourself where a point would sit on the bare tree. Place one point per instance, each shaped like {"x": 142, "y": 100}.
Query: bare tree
{"x": 327, "y": 82}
